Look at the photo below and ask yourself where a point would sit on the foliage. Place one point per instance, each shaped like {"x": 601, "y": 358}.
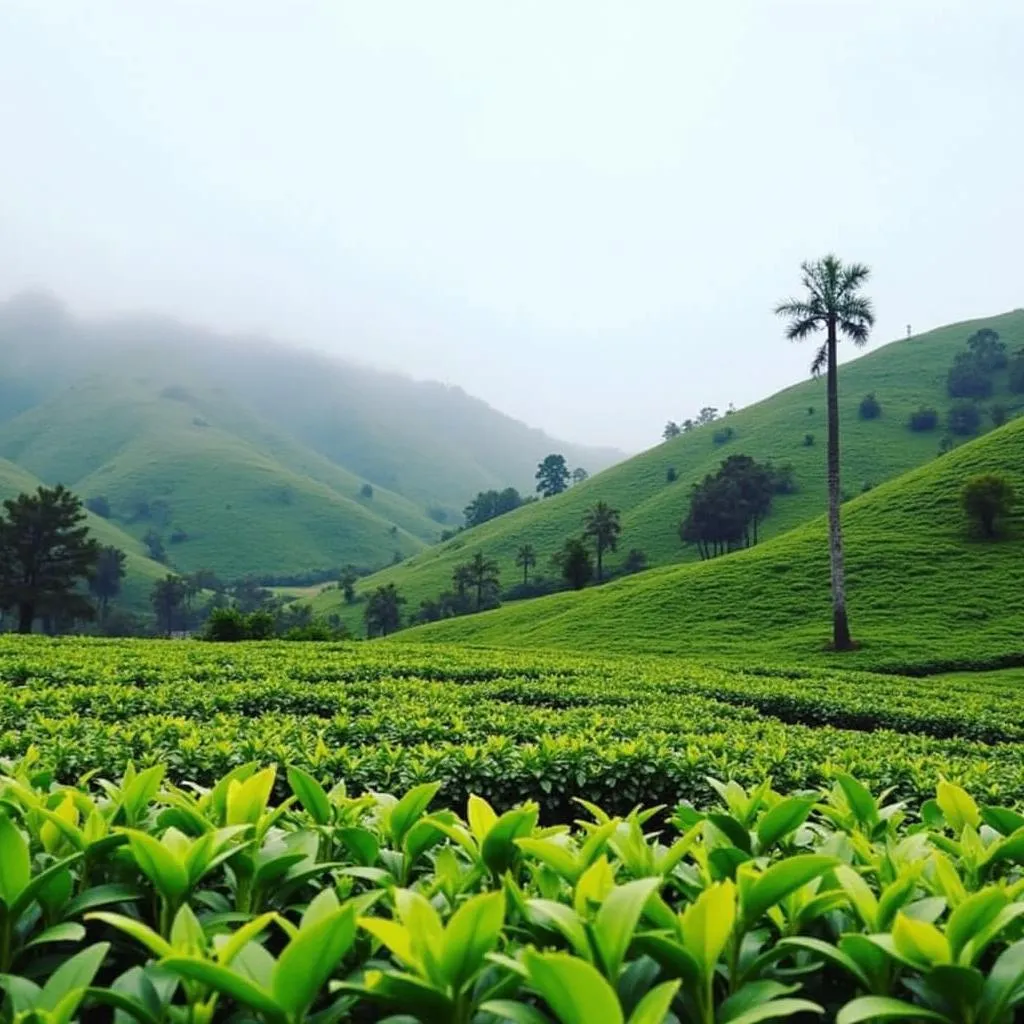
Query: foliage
{"x": 808, "y": 440}
{"x": 725, "y": 509}
{"x": 672, "y": 430}
{"x": 579, "y": 474}
{"x": 963, "y": 419}
{"x": 105, "y": 579}
{"x": 552, "y": 476}
{"x": 987, "y": 350}
{"x": 966, "y": 379}
{"x": 481, "y": 575}
{"x": 998, "y": 414}
{"x": 45, "y": 553}
{"x": 923, "y": 419}
{"x": 168, "y": 600}
{"x": 232, "y": 902}
{"x": 723, "y": 436}
{"x": 1016, "y": 368}
{"x": 636, "y": 561}
{"x": 155, "y": 546}
{"x": 602, "y": 525}
{"x": 366, "y": 491}
{"x": 526, "y": 559}
{"x": 383, "y": 613}
{"x": 870, "y": 408}
{"x": 574, "y": 563}
{"x": 347, "y": 582}
{"x": 671, "y": 475}
{"x": 987, "y": 498}
{"x": 99, "y": 505}
{"x": 489, "y": 505}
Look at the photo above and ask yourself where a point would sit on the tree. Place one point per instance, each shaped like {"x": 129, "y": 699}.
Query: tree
{"x": 672, "y": 429}
{"x": 167, "y": 598}
{"x": 489, "y": 505}
{"x": 967, "y": 379}
{"x": 999, "y": 414}
{"x": 155, "y": 546}
{"x": 688, "y": 425}
{"x": 45, "y": 553}
{"x": 384, "y": 611}
{"x": 526, "y": 559}
{"x": 988, "y": 352}
{"x": 636, "y": 561}
{"x": 347, "y": 583}
{"x": 870, "y": 408}
{"x": 366, "y": 491}
{"x": 832, "y": 302}
{"x": 963, "y": 419}
{"x": 923, "y": 419}
{"x": 579, "y": 474}
{"x": 250, "y": 596}
{"x": 483, "y": 575}
{"x": 98, "y": 505}
{"x": 707, "y": 415}
{"x": 986, "y": 498}
{"x": 552, "y": 476}
{"x": 1017, "y": 372}
{"x": 105, "y": 581}
{"x": 575, "y": 563}
{"x": 601, "y": 524}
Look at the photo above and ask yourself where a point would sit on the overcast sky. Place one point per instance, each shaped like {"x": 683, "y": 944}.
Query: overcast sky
{"x": 581, "y": 211}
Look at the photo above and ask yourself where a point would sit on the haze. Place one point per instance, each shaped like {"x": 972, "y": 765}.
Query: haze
{"x": 582, "y": 212}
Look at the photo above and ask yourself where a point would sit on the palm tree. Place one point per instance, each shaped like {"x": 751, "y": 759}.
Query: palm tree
{"x": 832, "y": 303}
{"x": 526, "y": 558}
{"x": 483, "y": 574}
{"x": 602, "y": 524}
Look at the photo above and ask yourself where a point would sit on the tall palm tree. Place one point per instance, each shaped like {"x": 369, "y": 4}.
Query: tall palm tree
{"x": 602, "y": 524}
{"x": 832, "y": 303}
{"x": 484, "y": 575}
{"x": 526, "y": 559}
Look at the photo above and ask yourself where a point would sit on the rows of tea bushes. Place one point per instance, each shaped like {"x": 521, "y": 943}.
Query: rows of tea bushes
{"x": 158, "y": 902}
{"x": 505, "y": 726}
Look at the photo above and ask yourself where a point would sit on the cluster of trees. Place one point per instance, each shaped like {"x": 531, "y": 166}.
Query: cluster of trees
{"x": 727, "y": 506}
{"x": 489, "y": 505}
{"x": 706, "y": 415}
{"x": 971, "y": 373}
{"x": 553, "y": 475}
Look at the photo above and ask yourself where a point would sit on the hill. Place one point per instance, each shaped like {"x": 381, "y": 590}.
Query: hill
{"x": 141, "y": 571}
{"x": 255, "y": 457}
{"x": 923, "y": 592}
{"x": 903, "y": 375}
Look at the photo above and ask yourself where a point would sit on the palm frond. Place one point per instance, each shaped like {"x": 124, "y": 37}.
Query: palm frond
{"x": 820, "y": 360}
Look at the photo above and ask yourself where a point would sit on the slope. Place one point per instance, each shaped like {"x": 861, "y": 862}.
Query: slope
{"x": 904, "y": 375}
{"x": 141, "y": 571}
{"x": 923, "y": 592}
{"x": 223, "y": 490}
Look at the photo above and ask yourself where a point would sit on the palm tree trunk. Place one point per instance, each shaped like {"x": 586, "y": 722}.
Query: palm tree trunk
{"x": 26, "y": 616}
{"x": 841, "y": 640}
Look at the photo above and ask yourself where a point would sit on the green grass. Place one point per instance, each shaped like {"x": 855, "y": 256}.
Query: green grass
{"x": 923, "y": 592}
{"x": 249, "y": 499}
{"x": 904, "y": 375}
{"x": 141, "y": 571}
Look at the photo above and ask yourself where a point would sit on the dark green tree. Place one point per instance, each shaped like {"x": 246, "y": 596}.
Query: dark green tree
{"x": 347, "y": 583}
{"x": 601, "y": 524}
{"x": 832, "y": 303}
{"x": 636, "y": 561}
{"x": 526, "y": 559}
{"x": 987, "y": 350}
{"x": 484, "y": 577}
{"x": 672, "y": 429}
{"x": 552, "y": 476}
{"x": 579, "y": 474}
{"x": 155, "y": 546}
{"x": 384, "y": 611}
{"x": 1017, "y": 372}
{"x": 105, "y": 581}
{"x": 45, "y": 553}
{"x": 489, "y": 505}
{"x": 574, "y": 563}
{"x": 963, "y": 419}
{"x": 986, "y": 498}
{"x": 168, "y": 600}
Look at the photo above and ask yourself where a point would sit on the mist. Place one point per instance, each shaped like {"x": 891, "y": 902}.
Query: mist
{"x": 580, "y": 212}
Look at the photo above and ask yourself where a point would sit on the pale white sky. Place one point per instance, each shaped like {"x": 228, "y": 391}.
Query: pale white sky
{"x": 581, "y": 211}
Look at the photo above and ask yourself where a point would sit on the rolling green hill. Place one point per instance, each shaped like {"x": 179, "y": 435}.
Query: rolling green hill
{"x": 247, "y": 456}
{"x": 141, "y": 571}
{"x": 903, "y": 375}
{"x": 922, "y": 591}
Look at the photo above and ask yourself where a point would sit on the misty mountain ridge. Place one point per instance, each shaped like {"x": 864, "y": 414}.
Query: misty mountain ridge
{"x": 244, "y": 454}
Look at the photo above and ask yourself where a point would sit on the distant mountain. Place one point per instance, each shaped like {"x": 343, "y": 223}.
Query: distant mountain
{"x": 245, "y": 455}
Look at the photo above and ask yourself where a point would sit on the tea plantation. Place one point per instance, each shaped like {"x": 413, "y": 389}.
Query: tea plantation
{"x": 385, "y": 832}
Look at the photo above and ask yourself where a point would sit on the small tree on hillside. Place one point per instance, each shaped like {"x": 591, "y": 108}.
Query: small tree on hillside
{"x": 168, "y": 599}
{"x": 105, "y": 581}
{"x": 526, "y": 559}
{"x": 574, "y": 563}
{"x": 601, "y": 524}
{"x": 870, "y": 408}
{"x": 579, "y": 474}
{"x": 384, "y": 611}
{"x": 552, "y": 476}
{"x": 45, "y": 553}
{"x": 964, "y": 419}
{"x": 672, "y": 429}
{"x": 347, "y": 583}
{"x": 484, "y": 577}
{"x": 986, "y": 498}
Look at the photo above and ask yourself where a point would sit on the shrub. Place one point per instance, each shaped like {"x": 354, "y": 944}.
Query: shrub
{"x": 866, "y": 486}
{"x": 366, "y": 491}
{"x": 636, "y": 561}
{"x": 923, "y": 419}
{"x": 986, "y": 498}
{"x": 178, "y": 536}
{"x": 963, "y": 419}
{"x": 783, "y": 478}
{"x": 998, "y": 414}
{"x": 945, "y": 445}
{"x": 966, "y": 379}
{"x": 724, "y": 435}
{"x": 671, "y": 475}
{"x": 808, "y": 440}
{"x": 226, "y": 625}
{"x": 870, "y": 408}
{"x": 260, "y": 625}
{"x": 810, "y": 410}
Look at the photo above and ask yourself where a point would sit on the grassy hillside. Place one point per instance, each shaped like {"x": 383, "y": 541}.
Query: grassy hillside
{"x": 903, "y": 375}
{"x": 922, "y": 590}
{"x": 142, "y": 572}
{"x": 239, "y": 496}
